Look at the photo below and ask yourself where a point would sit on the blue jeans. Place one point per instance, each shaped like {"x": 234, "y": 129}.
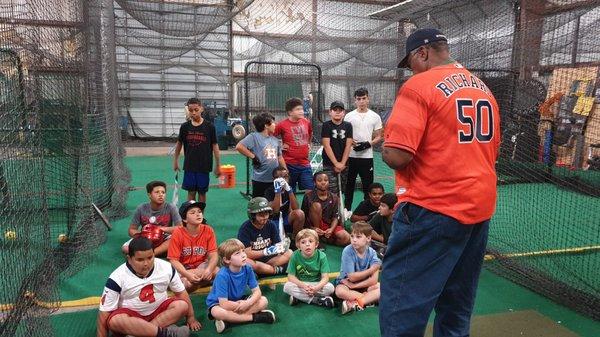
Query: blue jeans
{"x": 432, "y": 262}
{"x": 302, "y": 175}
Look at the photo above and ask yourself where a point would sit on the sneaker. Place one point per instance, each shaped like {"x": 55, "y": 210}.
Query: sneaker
{"x": 177, "y": 331}
{"x": 281, "y": 269}
{"x": 264, "y": 316}
{"x": 348, "y": 306}
{"x": 293, "y": 300}
{"x": 325, "y": 301}
{"x": 220, "y": 325}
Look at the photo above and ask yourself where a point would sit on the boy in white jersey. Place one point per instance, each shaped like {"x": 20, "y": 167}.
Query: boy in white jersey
{"x": 135, "y": 300}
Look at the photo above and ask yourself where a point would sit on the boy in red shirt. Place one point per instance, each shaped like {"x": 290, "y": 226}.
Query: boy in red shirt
{"x": 296, "y": 132}
{"x": 193, "y": 248}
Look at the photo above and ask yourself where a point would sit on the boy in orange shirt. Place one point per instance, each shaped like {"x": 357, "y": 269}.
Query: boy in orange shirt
{"x": 193, "y": 248}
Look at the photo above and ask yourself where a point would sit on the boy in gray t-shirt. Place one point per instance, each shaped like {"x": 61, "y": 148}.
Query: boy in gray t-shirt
{"x": 265, "y": 152}
{"x": 163, "y": 217}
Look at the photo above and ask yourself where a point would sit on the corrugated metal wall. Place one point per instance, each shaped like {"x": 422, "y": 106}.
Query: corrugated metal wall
{"x": 158, "y": 73}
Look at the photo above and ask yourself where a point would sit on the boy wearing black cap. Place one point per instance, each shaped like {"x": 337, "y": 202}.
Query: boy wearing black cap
{"x": 336, "y": 137}
{"x": 193, "y": 247}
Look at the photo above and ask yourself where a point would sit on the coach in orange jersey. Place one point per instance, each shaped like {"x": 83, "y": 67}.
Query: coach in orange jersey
{"x": 442, "y": 140}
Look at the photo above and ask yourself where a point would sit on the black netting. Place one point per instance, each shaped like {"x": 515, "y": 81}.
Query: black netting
{"x": 60, "y": 151}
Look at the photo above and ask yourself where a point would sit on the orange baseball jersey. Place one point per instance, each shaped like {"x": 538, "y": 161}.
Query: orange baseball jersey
{"x": 449, "y": 120}
{"x": 190, "y": 250}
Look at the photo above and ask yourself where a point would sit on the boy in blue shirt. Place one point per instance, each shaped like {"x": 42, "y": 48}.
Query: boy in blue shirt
{"x": 358, "y": 283}
{"x": 227, "y": 301}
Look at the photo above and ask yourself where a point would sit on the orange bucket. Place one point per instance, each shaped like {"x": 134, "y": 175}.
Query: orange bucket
{"x": 227, "y": 177}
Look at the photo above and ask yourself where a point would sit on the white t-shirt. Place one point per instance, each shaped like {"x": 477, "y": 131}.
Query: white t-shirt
{"x": 363, "y": 126}
{"x": 124, "y": 289}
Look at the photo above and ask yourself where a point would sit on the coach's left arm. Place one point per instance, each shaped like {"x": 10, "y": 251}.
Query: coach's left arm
{"x": 396, "y": 158}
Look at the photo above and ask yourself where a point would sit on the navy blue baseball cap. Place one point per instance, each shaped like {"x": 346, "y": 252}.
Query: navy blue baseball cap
{"x": 190, "y": 204}
{"x": 418, "y": 38}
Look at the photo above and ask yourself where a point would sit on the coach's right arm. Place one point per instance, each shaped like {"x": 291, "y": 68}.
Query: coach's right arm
{"x": 409, "y": 118}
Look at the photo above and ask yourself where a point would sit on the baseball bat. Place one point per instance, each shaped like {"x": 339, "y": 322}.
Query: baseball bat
{"x": 341, "y": 203}
{"x": 176, "y": 190}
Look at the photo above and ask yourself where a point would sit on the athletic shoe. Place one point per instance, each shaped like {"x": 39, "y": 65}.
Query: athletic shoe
{"x": 177, "y": 331}
{"x": 220, "y": 325}
{"x": 264, "y": 316}
{"x": 324, "y": 301}
{"x": 293, "y": 300}
{"x": 348, "y": 306}
{"x": 281, "y": 269}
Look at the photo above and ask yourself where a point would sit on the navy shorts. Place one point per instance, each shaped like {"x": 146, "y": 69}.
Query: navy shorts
{"x": 196, "y": 181}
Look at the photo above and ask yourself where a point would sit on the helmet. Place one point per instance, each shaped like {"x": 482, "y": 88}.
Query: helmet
{"x": 189, "y": 204}
{"x": 154, "y": 234}
{"x": 258, "y": 205}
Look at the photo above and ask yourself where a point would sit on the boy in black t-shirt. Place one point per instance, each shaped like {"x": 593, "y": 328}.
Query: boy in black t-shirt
{"x": 199, "y": 140}
{"x": 382, "y": 223}
{"x": 368, "y": 208}
{"x": 336, "y": 137}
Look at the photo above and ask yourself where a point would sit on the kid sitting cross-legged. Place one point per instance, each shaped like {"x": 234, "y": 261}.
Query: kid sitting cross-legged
{"x": 307, "y": 272}
{"x": 193, "y": 248}
{"x": 227, "y": 301}
{"x": 357, "y": 283}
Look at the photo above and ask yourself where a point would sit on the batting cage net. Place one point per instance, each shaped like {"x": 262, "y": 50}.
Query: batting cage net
{"x": 266, "y": 86}
{"x": 60, "y": 152}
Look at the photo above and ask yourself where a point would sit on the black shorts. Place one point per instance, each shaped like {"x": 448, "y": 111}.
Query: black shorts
{"x": 210, "y": 316}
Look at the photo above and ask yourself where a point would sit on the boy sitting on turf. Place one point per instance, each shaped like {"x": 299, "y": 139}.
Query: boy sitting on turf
{"x": 322, "y": 210}
{"x": 135, "y": 299}
{"x": 193, "y": 248}
{"x": 357, "y": 282}
{"x": 368, "y": 208}
{"x": 382, "y": 221}
{"x": 267, "y": 253}
{"x": 227, "y": 302}
{"x": 160, "y": 215}
{"x": 284, "y": 203}
{"x": 308, "y": 279}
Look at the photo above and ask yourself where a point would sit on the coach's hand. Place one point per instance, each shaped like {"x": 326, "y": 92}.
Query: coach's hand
{"x": 175, "y": 165}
